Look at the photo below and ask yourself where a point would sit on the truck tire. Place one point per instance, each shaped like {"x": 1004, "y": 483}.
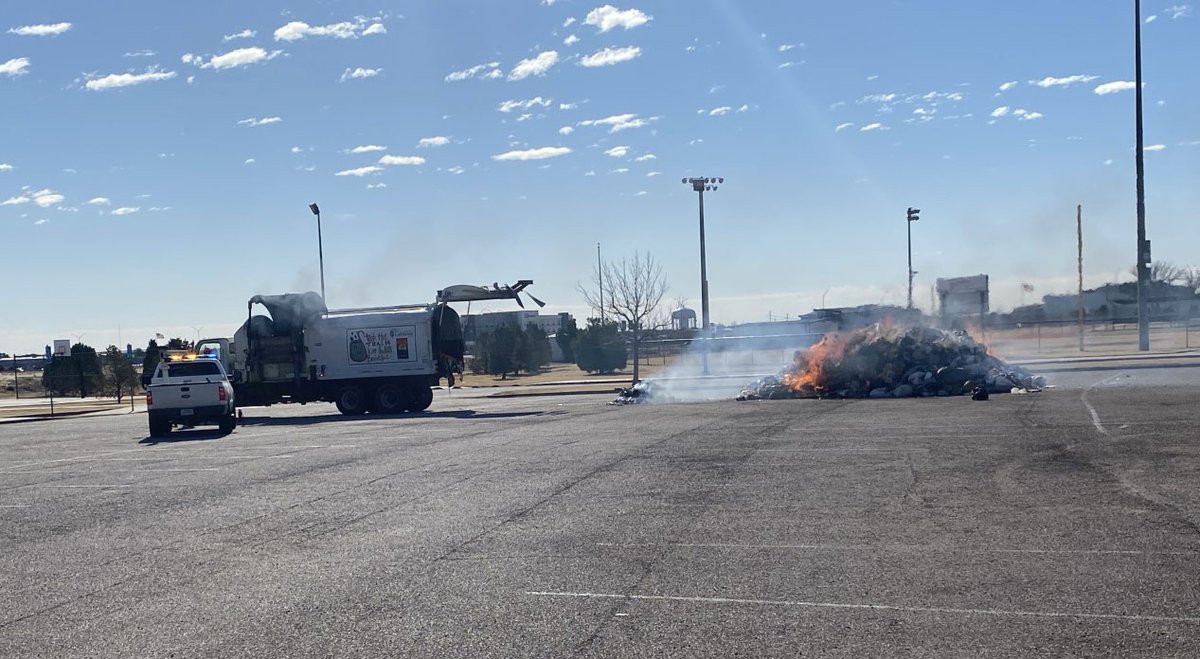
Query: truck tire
{"x": 351, "y": 401}
{"x": 390, "y": 399}
{"x": 422, "y": 398}
{"x": 227, "y": 424}
{"x": 160, "y": 427}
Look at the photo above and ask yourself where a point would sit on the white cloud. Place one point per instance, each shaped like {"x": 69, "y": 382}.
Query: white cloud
{"x": 457, "y": 169}
{"x": 265, "y": 121}
{"x": 566, "y": 130}
{"x": 617, "y": 151}
{"x": 125, "y": 210}
{"x": 489, "y": 71}
{"x": 788, "y": 46}
{"x": 619, "y": 122}
{"x": 159, "y": 209}
{"x": 100, "y": 201}
{"x": 1179, "y": 11}
{"x": 141, "y": 53}
{"x": 548, "y": 3}
{"x": 871, "y": 127}
{"x": 15, "y": 67}
{"x": 644, "y": 158}
{"x": 41, "y": 30}
{"x": 534, "y": 66}
{"x": 567, "y": 106}
{"x": 191, "y": 79}
{"x": 244, "y": 34}
{"x": 344, "y": 30}
{"x": 359, "y": 73}
{"x": 788, "y": 65}
{"x": 1148, "y": 147}
{"x": 249, "y": 161}
{"x": 1062, "y": 82}
{"x": 437, "y": 140}
{"x": 5, "y": 167}
{"x": 653, "y": 173}
{"x": 540, "y": 153}
{"x": 744, "y": 108}
{"x": 376, "y": 186}
{"x": 1008, "y": 85}
{"x": 360, "y": 171}
{"x": 14, "y": 201}
{"x": 841, "y": 127}
{"x": 640, "y": 193}
{"x": 1000, "y": 111}
{"x": 232, "y": 59}
{"x": 509, "y": 106}
{"x": 401, "y": 160}
{"x": 1025, "y": 115}
{"x": 569, "y": 22}
{"x": 571, "y": 39}
{"x": 118, "y": 80}
{"x": 716, "y": 112}
{"x": 620, "y": 170}
{"x": 41, "y": 221}
{"x": 609, "y": 17}
{"x": 1108, "y": 162}
{"x": 46, "y": 198}
{"x": 297, "y": 149}
{"x": 1115, "y": 86}
{"x": 368, "y": 148}
{"x": 610, "y": 56}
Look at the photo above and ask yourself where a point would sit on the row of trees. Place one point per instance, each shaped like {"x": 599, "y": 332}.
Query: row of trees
{"x": 509, "y": 349}
{"x": 86, "y": 373}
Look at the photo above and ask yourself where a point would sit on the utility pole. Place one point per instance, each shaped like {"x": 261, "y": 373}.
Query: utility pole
{"x": 600, "y": 277}
{"x": 1079, "y": 241}
{"x": 316, "y": 210}
{"x": 913, "y": 216}
{"x": 700, "y": 185}
{"x": 1143, "y": 245}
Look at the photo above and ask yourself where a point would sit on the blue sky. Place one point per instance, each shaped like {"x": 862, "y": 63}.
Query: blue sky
{"x": 156, "y": 159}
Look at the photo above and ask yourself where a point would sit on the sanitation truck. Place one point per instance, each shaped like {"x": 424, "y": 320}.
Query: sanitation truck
{"x": 377, "y": 359}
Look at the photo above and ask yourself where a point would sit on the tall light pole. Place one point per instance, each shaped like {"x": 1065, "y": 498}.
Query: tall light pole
{"x": 1143, "y": 245}
{"x": 700, "y": 186}
{"x": 600, "y": 278}
{"x": 316, "y": 210}
{"x": 913, "y": 216}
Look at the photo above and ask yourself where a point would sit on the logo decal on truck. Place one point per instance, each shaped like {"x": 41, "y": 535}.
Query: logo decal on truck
{"x": 378, "y": 345}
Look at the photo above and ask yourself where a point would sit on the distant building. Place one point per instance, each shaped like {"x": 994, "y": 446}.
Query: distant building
{"x": 849, "y": 318}
{"x": 963, "y": 297}
{"x": 1119, "y": 302}
{"x": 477, "y": 324}
{"x": 683, "y": 319}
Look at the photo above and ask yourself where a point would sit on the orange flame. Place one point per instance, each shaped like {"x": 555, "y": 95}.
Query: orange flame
{"x": 809, "y": 374}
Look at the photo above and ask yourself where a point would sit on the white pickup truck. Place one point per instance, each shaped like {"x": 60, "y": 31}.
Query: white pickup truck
{"x": 189, "y": 391}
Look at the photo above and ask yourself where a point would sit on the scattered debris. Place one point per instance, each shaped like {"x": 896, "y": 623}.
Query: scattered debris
{"x": 645, "y": 391}
{"x": 884, "y": 361}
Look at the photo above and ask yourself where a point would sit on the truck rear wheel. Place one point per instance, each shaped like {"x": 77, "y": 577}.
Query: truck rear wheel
{"x": 390, "y": 399}
{"x": 422, "y": 398}
{"x": 351, "y": 401}
{"x": 227, "y": 424}
{"x": 160, "y": 427}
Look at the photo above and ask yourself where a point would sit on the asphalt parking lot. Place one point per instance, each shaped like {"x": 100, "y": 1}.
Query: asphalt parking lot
{"x": 1064, "y": 523}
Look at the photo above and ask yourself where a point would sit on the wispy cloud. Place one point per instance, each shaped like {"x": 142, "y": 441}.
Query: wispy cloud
{"x": 1154, "y": 147}
{"x": 438, "y": 140}
{"x": 717, "y": 112}
{"x": 1062, "y": 82}
{"x": 1008, "y": 85}
{"x": 265, "y": 121}
{"x": 118, "y": 80}
{"x": 249, "y": 161}
{"x": 789, "y": 46}
{"x": 534, "y": 66}
{"x": 125, "y": 210}
{"x": 840, "y": 127}
{"x": 18, "y": 66}
{"x": 359, "y": 27}
{"x": 43, "y": 198}
{"x": 244, "y": 34}
{"x": 376, "y": 186}
{"x": 619, "y": 122}
{"x": 1000, "y": 111}
{"x": 1179, "y": 11}
{"x": 610, "y": 56}
{"x": 360, "y": 171}
{"x": 645, "y": 157}
{"x": 5, "y": 167}
{"x": 141, "y": 53}
{"x": 566, "y": 130}
{"x": 873, "y": 127}
{"x": 401, "y": 160}
{"x": 359, "y": 73}
{"x": 368, "y": 148}
{"x": 509, "y": 106}
{"x": 1115, "y": 86}
{"x": 570, "y": 40}
{"x": 231, "y": 59}
{"x": 457, "y": 169}
{"x": 41, "y": 30}
{"x": 617, "y": 151}
{"x": 1025, "y": 115}
{"x": 540, "y": 153}
{"x": 489, "y": 71}
{"x": 100, "y": 201}
{"x": 609, "y": 17}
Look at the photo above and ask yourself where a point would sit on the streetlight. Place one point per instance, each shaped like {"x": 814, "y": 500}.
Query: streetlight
{"x": 913, "y": 216}
{"x": 316, "y": 210}
{"x": 700, "y": 185}
{"x": 1143, "y": 245}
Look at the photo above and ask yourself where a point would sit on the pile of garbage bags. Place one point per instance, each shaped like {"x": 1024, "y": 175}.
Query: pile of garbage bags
{"x": 884, "y": 361}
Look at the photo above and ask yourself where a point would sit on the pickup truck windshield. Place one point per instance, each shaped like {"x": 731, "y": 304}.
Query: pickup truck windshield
{"x": 191, "y": 369}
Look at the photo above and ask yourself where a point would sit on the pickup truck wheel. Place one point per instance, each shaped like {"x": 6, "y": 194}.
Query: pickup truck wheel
{"x": 422, "y": 398}
{"x": 227, "y": 424}
{"x": 160, "y": 427}
{"x": 390, "y": 399}
{"x": 351, "y": 401}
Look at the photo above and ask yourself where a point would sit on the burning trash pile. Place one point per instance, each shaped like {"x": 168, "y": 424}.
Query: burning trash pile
{"x": 894, "y": 362}
{"x": 646, "y": 391}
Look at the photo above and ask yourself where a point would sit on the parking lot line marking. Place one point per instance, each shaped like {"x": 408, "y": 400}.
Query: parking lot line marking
{"x": 150, "y": 471}
{"x": 14, "y": 505}
{"x": 874, "y": 607}
{"x": 1092, "y": 410}
{"x": 902, "y": 548}
{"x": 838, "y": 450}
{"x": 74, "y": 487}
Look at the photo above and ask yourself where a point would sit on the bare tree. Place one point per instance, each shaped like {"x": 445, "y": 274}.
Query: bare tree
{"x": 1165, "y": 272}
{"x": 1191, "y": 278}
{"x": 633, "y": 293}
